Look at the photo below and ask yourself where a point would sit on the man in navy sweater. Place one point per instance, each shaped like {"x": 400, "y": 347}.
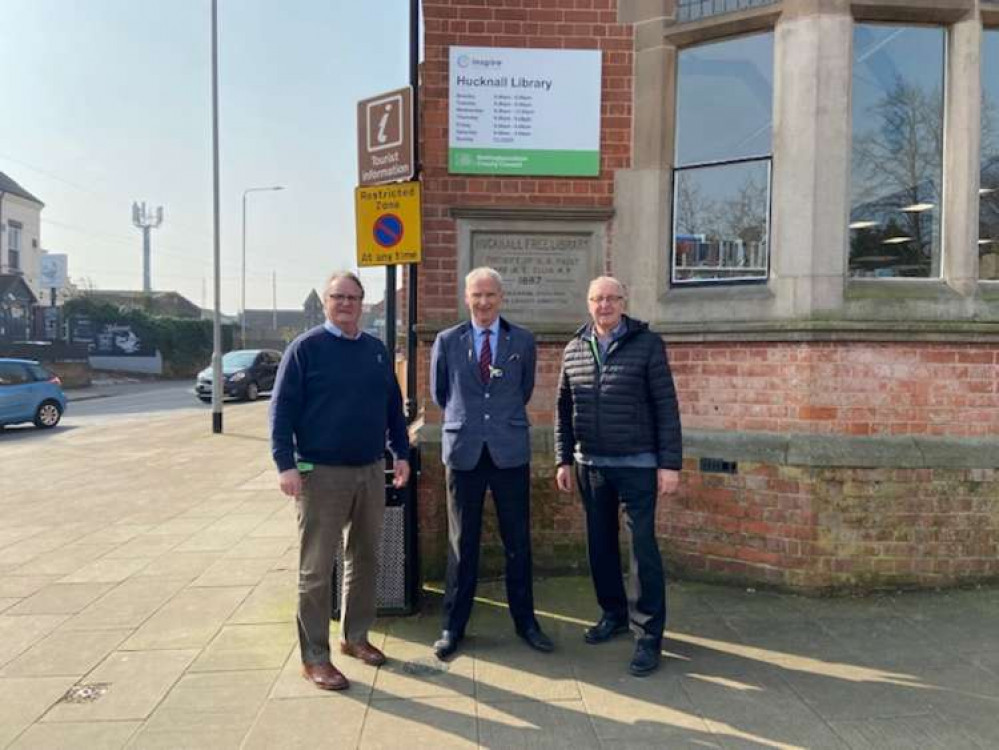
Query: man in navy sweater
{"x": 335, "y": 401}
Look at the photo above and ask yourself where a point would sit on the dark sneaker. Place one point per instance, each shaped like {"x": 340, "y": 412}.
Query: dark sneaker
{"x": 604, "y": 630}
{"x": 646, "y": 658}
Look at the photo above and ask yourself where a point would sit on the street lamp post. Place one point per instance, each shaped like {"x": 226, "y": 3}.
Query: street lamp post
{"x": 216, "y": 234}
{"x": 242, "y": 286}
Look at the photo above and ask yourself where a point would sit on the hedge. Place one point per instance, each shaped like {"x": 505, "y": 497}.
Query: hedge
{"x": 184, "y": 343}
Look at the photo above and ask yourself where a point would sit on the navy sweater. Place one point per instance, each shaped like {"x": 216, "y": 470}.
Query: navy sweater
{"x": 334, "y": 401}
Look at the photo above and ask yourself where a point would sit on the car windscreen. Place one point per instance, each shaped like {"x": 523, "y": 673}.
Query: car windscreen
{"x": 237, "y": 360}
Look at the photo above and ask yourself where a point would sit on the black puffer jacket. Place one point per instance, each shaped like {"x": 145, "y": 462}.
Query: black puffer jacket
{"x": 625, "y": 407}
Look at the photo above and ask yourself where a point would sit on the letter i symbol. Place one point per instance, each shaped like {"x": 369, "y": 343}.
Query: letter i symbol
{"x": 383, "y": 123}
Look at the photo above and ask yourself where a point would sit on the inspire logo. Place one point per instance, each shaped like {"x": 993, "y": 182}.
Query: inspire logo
{"x": 485, "y": 62}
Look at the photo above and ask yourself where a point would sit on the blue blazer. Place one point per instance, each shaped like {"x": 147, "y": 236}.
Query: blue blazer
{"x": 477, "y": 414}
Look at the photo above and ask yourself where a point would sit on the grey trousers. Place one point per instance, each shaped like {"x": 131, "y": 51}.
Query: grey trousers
{"x": 347, "y": 501}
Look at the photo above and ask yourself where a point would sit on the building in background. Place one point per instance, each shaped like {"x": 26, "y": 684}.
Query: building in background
{"x": 275, "y": 328}
{"x": 17, "y": 303}
{"x": 373, "y": 319}
{"x": 20, "y": 233}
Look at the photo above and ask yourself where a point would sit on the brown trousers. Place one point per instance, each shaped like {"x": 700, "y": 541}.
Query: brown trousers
{"x": 347, "y": 501}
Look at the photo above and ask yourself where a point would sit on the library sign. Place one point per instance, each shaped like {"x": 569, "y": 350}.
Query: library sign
{"x": 524, "y": 111}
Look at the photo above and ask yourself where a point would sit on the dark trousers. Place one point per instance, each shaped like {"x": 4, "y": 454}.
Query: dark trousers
{"x": 603, "y": 490}
{"x": 466, "y": 492}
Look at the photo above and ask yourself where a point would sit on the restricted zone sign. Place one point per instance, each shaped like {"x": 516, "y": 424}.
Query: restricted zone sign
{"x": 388, "y": 224}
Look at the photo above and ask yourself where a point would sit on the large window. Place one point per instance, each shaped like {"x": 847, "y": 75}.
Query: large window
{"x": 988, "y": 226}
{"x": 898, "y": 77}
{"x": 721, "y": 183}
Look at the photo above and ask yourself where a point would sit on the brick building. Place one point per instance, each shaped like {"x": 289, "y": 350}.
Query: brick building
{"x": 803, "y": 199}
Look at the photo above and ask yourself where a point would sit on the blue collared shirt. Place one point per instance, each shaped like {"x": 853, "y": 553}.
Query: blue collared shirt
{"x": 480, "y": 336}
{"x": 339, "y": 333}
{"x": 604, "y": 343}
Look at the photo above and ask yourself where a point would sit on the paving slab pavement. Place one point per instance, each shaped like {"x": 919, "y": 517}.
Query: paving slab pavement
{"x": 153, "y": 564}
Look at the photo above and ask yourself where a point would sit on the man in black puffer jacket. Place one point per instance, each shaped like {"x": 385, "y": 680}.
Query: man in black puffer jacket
{"x": 618, "y": 420}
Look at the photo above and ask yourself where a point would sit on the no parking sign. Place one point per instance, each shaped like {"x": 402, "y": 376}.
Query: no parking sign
{"x": 388, "y": 224}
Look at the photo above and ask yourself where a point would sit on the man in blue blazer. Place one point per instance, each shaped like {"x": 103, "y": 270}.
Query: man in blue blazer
{"x": 482, "y": 376}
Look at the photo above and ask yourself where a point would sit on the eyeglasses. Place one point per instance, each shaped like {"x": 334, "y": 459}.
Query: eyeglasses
{"x": 340, "y": 298}
{"x": 606, "y": 298}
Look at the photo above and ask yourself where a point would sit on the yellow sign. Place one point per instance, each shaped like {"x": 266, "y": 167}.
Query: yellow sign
{"x": 388, "y": 224}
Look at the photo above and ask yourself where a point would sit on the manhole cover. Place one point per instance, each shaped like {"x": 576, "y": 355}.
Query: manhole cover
{"x": 86, "y": 693}
{"x": 424, "y": 667}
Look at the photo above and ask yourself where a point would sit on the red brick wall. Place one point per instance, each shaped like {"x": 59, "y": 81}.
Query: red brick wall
{"x": 834, "y": 528}
{"x": 836, "y": 388}
{"x": 841, "y": 388}
{"x": 569, "y": 24}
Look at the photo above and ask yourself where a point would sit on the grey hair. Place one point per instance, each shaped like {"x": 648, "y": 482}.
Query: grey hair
{"x": 484, "y": 272}
{"x": 336, "y": 276}
{"x": 620, "y": 285}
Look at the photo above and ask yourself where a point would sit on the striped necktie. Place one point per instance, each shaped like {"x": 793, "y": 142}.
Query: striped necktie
{"x": 485, "y": 357}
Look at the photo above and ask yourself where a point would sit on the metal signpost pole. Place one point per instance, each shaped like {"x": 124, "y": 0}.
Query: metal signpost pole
{"x": 414, "y": 81}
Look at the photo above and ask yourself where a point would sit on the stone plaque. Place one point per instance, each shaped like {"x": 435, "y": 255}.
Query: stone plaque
{"x": 545, "y": 274}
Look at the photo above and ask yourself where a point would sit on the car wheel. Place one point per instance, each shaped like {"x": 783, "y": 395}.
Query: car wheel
{"x": 252, "y": 391}
{"x": 47, "y": 415}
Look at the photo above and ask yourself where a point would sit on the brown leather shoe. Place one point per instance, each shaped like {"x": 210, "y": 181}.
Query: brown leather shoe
{"x": 325, "y": 676}
{"x": 363, "y": 651}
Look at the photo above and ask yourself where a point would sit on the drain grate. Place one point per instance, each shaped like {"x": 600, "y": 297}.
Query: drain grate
{"x": 424, "y": 667}
{"x": 86, "y": 693}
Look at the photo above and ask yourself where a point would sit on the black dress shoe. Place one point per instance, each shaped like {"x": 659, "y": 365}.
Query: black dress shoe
{"x": 446, "y": 645}
{"x": 646, "y": 658}
{"x": 537, "y": 640}
{"x": 604, "y": 630}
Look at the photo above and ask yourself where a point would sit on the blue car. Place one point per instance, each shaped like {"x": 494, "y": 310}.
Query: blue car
{"x": 29, "y": 393}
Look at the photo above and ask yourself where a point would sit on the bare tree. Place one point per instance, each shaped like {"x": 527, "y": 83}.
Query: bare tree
{"x": 693, "y": 209}
{"x": 898, "y": 164}
{"x": 744, "y": 216}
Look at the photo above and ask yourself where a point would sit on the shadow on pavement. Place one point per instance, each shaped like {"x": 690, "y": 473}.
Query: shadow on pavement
{"x": 780, "y": 671}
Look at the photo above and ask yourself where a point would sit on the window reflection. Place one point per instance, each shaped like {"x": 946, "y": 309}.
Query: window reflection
{"x": 724, "y": 95}
{"x": 721, "y": 184}
{"x": 897, "y": 151}
{"x": 720, "y": 226}
{"x": 988, "y": 223}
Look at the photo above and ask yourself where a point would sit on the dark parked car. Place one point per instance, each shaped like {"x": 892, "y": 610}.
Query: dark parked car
{"x": 247, "y": 373}
{"x": 29, "y": 393}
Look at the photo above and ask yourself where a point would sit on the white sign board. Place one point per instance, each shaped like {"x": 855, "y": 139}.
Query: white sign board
{"x": 54, "y": 267}
{"x": 524, "y": 111}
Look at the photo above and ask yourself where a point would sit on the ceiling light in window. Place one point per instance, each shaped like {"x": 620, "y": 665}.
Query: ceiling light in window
{"x": 986, "y": 241}
{"x": 862, "y": 224}
{"x": 986, "y": 191}
{"x": 916, "y": 208}
{"x": 896, "y": 240}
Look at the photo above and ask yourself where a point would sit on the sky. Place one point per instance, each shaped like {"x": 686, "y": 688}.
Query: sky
{"x": 107, "y": 102}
